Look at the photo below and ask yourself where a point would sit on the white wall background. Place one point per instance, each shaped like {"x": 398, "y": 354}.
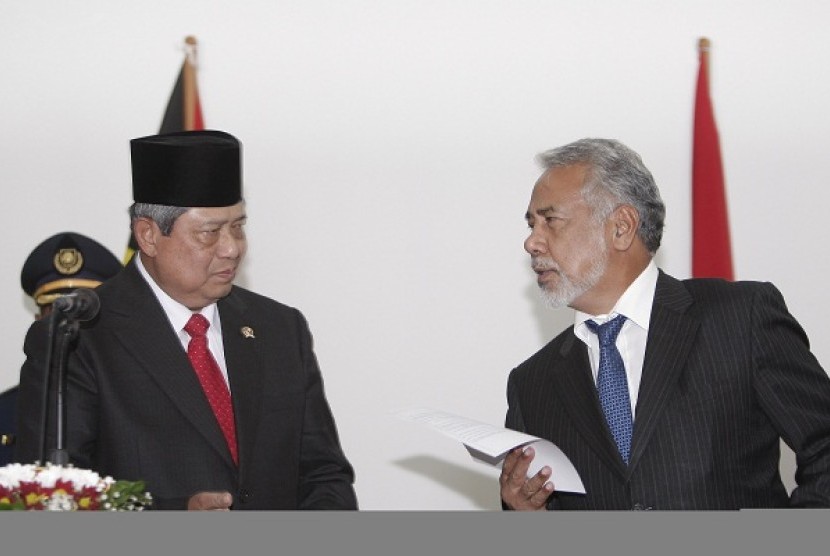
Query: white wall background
{"x": 389, "y": 158}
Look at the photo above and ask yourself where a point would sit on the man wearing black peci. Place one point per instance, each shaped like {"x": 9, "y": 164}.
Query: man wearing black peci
{"x": 208, "y": 392}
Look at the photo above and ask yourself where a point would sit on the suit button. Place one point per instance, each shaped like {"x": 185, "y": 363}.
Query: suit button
{"x": 244, "y": 495}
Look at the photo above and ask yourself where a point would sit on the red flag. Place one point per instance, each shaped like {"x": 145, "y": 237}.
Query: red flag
{"x": 183, "y": 112}
{"x": 711, "y": 251}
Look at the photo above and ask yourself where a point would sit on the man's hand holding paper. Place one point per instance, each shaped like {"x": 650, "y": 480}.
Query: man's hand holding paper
{"x": 531, "y": 466}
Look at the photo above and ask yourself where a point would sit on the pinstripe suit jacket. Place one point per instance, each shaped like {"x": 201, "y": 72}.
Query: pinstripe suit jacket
{"x": 727, "y": 373}
{"x": 136, "y": 409}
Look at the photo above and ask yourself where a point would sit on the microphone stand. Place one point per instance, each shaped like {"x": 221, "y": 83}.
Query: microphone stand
{"x": 54, "y": 378}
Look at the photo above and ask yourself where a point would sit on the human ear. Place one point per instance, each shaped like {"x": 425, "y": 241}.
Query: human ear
{"x": 626, "y": 221}
{"x": 146, "y": 233}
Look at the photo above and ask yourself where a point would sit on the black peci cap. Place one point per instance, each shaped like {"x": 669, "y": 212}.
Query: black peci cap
{"x": 64, "y": 262}
{"x": 187, "y": 169}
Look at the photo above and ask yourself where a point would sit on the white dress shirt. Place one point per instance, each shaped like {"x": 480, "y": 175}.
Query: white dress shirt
{"x": 178, "y": 315}
{"x": 635, "y": 304}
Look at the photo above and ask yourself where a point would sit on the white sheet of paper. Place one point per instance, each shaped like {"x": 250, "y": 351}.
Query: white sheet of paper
{"x": 490, "y": 444}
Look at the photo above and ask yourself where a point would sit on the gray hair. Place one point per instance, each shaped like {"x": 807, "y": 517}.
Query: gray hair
{"x": 164, "y": 216}
{"x": 616, "y": 175}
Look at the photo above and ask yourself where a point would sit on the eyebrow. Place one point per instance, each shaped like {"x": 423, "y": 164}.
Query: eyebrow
{"x": 541, "y": 212}
{"x": 222, "y": 222}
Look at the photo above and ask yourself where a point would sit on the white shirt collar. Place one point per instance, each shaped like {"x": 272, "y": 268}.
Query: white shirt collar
{"x": 635, "y": 303}
{"x": 177, "y": 313}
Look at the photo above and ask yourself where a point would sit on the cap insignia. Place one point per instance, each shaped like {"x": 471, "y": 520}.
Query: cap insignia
{"x": 68, "y": 261}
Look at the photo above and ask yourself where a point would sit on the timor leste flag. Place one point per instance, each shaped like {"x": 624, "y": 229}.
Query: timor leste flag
{"x": 183, "y": 112}
{"x": 711, "y": 246}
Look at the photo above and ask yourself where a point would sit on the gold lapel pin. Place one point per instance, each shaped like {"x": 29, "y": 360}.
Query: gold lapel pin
{"x": 247, "y": 332}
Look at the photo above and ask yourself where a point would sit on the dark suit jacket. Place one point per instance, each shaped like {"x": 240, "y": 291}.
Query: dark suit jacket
{"x": 727, "y": 372}
{"x": 136, "y": 410}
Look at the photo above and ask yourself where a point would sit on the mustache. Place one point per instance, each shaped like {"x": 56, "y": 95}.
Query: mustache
{"x": 541, "y": 264}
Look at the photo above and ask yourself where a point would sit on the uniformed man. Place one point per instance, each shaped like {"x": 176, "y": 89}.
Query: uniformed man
{"x": 54, "y": 268}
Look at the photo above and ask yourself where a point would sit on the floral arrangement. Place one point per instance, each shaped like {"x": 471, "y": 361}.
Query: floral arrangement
{"x": 67, "y": 488}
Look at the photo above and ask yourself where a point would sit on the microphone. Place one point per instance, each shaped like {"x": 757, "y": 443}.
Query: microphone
{"x": 81, "y": 305}
{"x": 68, "y": 311}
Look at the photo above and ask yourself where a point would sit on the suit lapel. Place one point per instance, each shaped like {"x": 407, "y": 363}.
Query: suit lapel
{"x": 144, "y": 332}
{"x": 244, "y": 360}
{"x": 578, "y": 394}
{"x": 671, "y": 335}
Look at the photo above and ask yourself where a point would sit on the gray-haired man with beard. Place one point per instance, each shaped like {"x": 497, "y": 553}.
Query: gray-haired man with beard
{"x": 665, "y": 394}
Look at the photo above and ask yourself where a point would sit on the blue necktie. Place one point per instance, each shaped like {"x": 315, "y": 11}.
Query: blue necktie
{"x": 612, "y": 384}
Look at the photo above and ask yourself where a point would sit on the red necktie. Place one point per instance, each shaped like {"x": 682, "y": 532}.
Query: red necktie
{"x": 213, "y": 383}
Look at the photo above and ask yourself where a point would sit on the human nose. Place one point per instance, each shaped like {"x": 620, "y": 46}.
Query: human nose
{"x": 535, "y": 244}
{"x": 230, "y": 246}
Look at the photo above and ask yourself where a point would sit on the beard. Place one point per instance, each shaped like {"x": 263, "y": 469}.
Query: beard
{"x": 568, "y": 288}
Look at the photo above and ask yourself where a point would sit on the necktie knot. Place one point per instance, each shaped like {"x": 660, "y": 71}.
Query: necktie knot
{"x": 197, "y": 325}
{"x": 607, "y": 332}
